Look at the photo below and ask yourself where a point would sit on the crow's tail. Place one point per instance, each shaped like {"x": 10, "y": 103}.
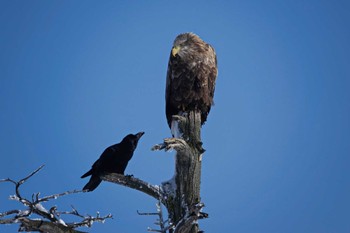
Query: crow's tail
{"x": 87, "y": 174}
{"x": 93, "y": 183}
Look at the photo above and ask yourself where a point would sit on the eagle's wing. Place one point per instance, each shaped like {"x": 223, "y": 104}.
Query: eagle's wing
{"x": 168, "y": 92}
{"x": 179, "y": 87}
{"x": 175, "y": 91}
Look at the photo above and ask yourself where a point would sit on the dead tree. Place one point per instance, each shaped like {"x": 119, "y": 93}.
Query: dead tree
{"x": 50, "y": 219}
{"x": 181, "y": 194}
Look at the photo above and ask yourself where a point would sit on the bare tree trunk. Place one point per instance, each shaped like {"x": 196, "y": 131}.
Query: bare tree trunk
{"x": 184, "y": 208}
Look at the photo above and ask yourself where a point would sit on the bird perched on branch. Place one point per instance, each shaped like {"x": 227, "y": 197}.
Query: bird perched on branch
{"x": 191, "y": 76}
{"x": 114, "y": 159}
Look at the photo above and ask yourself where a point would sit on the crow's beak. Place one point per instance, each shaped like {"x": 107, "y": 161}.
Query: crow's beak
{"x": 139, "y": 135}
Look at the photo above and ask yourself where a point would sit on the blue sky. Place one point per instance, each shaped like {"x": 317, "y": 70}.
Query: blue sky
{"x": 77, "y": 76}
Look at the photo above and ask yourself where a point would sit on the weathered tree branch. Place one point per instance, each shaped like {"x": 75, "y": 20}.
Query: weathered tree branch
{"x": 162, "y": 193}
{"x": 52, "y": 223}
{"x": 134, "y": 183}
{"x": 44, "y": 226}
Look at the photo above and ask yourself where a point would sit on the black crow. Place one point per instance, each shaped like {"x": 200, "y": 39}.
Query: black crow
{"x": 113, "y": 160}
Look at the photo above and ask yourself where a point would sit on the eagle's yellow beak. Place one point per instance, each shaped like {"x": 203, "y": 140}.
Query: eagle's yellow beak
{"x": 175, "y": 50}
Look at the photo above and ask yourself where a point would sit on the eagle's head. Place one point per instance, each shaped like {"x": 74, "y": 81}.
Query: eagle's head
{"x": 188, "y": 46}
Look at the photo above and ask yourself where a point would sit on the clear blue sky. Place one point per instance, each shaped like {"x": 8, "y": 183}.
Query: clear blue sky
{"x": 77, "y": 76}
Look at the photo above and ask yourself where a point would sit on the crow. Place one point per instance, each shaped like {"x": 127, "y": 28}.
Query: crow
{"x": 114, "y": 159}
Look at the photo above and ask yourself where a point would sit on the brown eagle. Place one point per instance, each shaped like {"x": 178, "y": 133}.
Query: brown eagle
{"x": 191, "y": 76}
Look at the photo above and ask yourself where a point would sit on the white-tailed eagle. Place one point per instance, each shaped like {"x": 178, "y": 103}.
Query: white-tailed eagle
{"x": 191, "y": 76}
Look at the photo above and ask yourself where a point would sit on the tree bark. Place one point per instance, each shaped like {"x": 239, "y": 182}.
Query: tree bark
{"x": 134, "y": 183}
{"x": 184, "y": 208}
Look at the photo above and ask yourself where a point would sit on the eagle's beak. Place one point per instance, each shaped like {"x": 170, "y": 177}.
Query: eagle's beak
{"x": 175, "y": 50}
{"x": 139, "y": 135}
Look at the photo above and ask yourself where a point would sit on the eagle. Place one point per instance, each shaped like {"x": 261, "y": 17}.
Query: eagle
{"x": 114, "y": 159}
{"x": 191, "y": 76}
